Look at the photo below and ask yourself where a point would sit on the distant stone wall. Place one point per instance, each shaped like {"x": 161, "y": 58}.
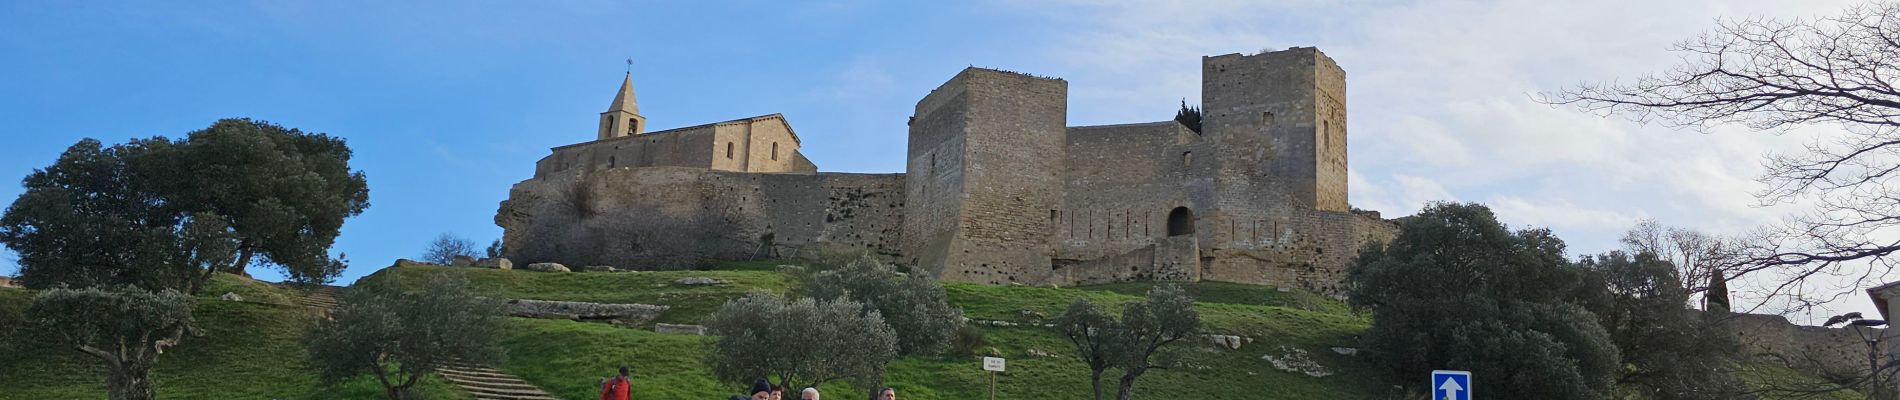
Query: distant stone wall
{"x": 1835, "y": 353}
{"x": 1306, "y": 249}
{"x": 671, "y": 217}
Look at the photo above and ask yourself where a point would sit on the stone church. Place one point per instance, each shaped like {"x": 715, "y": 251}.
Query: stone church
{"x": 997, "y": 188}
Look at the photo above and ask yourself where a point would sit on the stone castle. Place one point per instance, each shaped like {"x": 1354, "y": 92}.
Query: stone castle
{"x": 997, "y": 187}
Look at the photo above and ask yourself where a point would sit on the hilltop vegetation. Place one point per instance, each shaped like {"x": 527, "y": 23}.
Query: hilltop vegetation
{"x": 251, "y": 350}
{"x": 248, "y": 351}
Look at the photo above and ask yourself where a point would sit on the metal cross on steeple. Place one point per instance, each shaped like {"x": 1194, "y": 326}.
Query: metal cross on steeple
{"x": 629, "y": 65}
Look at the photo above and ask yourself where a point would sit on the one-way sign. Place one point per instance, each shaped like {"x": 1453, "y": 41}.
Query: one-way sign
{"x": 1451, "y": 385}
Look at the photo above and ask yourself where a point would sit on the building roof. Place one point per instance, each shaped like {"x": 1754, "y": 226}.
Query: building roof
{"x": 624, "y": 100}
{"x": 1880, "y": 300}
{"x": 781, "y": 117}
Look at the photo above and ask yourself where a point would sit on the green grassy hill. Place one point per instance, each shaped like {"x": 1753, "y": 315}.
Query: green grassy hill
{"x": 568, "y": 358}
{"x": 248, "y": 351}
{"x": 251, "y": 351}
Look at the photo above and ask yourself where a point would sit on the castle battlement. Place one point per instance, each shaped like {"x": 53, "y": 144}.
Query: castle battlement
{"x": 997, "y": 188}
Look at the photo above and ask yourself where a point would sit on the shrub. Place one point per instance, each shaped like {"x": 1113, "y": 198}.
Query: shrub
{"x": 803, "y": 343}
{"x": 915, "y": 305}
{"x": 967, "y": 340}
{"x": 401, "y": 330}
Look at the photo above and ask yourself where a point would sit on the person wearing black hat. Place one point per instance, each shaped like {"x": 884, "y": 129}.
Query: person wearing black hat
{"x": 761, "y": 390}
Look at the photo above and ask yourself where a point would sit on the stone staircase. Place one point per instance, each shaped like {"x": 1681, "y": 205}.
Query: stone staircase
{"x": 321, "y": 297}
{"x": 491, "y": 384}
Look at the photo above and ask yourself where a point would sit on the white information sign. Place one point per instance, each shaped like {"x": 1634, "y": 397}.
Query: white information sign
{"x": 992, "y": 364}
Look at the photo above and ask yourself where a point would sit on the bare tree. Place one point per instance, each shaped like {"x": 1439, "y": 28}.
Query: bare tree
{"x": 1699, "y": 257}
{"x": 1777, "y": 75}
{"x": 446, "y": 247}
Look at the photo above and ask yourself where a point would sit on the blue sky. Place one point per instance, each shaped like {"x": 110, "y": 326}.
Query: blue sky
{"x": 448, "y": 103}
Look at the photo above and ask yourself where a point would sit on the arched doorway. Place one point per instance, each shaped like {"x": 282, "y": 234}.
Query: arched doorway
{"x": 1180, "y": 222}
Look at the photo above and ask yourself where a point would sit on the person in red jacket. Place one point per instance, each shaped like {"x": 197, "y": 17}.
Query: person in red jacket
{"x": 616, "y": 388}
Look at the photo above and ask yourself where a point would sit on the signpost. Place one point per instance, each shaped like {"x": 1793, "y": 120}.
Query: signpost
{"x": 994, "y": 365}
{"x": 1451, "y": 385}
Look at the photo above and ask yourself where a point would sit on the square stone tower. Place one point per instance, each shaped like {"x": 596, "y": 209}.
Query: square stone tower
{"x": 1278, "y": 120}
{"x": 984, "y": 176}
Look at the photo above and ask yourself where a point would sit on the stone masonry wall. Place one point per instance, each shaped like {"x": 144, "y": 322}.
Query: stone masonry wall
{"x": 1304, "y": 249}
{"x": 997, "y": 189}
{"x": 671, "y": 217}
{"x": 1835, "y": 353}
{"x": 1121, "y": 182}
{"x": 1011, "y": 160}
{"x": 933, "y": 178}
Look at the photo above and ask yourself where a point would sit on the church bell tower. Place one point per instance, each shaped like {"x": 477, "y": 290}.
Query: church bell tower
{"x": 623, "y": 116}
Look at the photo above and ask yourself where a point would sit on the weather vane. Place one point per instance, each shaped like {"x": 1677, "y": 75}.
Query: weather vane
{"x": 629, "y": 65}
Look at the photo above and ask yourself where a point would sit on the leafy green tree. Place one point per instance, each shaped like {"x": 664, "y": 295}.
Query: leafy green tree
{"x": 1669, "y": 351}
{"x": 164, "y": 213}
{"x": 1166, "y": 317}
{"x": 285, "y": 191}
{"x": 95, "y": 217}
{"x": 803, "y": 343}
{"x": 1457, "y": 290}
{"x": 401, "y": 330}
{"x": 125, "y": 326}
{"x": 1092, "y": 332}
{"x": 915, "y": 305}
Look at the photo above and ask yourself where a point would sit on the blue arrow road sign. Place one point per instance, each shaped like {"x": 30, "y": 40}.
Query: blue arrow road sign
{"x": 1451, "y": 385}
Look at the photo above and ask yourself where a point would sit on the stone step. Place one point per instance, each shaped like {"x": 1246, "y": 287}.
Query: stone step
{"x": 489, "y": 383}
{"x": 490, "y": 391}
{"x": 481, "y": 397}
{"x": 470, "y": 370}
{"x": 496, "y": 387}
{"x": 486, "y": 379}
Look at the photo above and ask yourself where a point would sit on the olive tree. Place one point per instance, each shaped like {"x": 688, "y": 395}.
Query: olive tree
{"x": 1167, "y": 316}
{"x": 124, "y": 326}
{"x": 802, "y": 343}
{"x": 914, "y": 305}
{"x": 1092, "y": 332}
{"x": 401, "y": 330}
{"x": 1129, "y": 344}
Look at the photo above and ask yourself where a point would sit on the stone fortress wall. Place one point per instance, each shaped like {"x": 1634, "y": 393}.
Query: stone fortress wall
{"x": 1835, "y": 353}
{"x": 996, "y": 189}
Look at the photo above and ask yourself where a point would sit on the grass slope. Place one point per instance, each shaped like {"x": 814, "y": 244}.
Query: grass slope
{"x": 569, "y": 358}
{"x": 248, "y": 351}
{"x": 251, "y": 350}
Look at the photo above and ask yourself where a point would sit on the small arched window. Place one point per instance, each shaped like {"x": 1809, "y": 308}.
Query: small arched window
{"x": 1180, "y": 222}
{"x": 612, "y": 161}
{"x": 728, "y": 150}
{"x": 774, "y": 151}
{"x": 633, "y": 126}
{"x": 1187, "y": 158}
